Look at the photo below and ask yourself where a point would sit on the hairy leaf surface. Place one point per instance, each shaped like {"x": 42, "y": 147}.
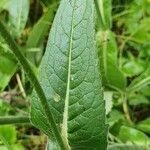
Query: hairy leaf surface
{"x": 69, "y": 74}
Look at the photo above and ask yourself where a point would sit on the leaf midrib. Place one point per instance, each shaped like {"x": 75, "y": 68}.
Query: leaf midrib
{"x": 64, "y": 130}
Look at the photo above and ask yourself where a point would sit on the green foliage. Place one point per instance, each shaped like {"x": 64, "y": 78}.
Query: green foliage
{"x": 124, "y": 57}
{"x": 123, "y": 47}
{"x": 127, "y": 147}
{"x": 128, "y": 134}
{"x": 8, "y": 65}
{"x": 105, "y": 7}
{"x": 37, "y": 35}
{"x": 108, "y": 58}
{"x": 69, "y": 75}
{"x": 144, "y": 125}
{"x": 8, "y": 136}
{"x": 18, "y": 14}
{"x": 141, "y": 81}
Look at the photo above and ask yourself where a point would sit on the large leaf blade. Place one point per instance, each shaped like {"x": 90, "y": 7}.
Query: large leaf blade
{"x": 69, "y": 75}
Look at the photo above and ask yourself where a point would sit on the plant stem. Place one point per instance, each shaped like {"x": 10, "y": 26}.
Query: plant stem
{"x": 98, "y": 13}
{"x": 14, "y": 120}
{"x": 125, "y": 108}
{"x": 26, "y": 66}
{"x": 21, "y": 86}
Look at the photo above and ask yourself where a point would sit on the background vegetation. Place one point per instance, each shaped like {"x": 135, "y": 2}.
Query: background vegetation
{"x": 123, "y": 41}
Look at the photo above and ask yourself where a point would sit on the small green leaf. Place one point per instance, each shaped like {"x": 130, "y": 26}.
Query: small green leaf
{"x": 41, "y": 27}
{"x": 38, "y": 33}
{"x": 114, "y": 117}
{"x": 8, "y": 65}
{"x": 18, "y": 14}
{"x": 8, "y": 135}
{"x": 144, "y": 125}
{"x": 141, "y": 81}
{"x": 136, "y": 99}
{"x": 115, "y": 78}
{"x": 128, "y": 134}
{"x": 132, "y": 68}
{"x": 17, "y": 147}
{"x": 105, "y": 11}
{"x": 108, "y": 58}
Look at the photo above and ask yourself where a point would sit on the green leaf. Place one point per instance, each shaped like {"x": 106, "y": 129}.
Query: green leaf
{"x": 144, "y": 125}
{"x": 69, "y": 74}
{"x": 45, "y": 2}
{"x": 108, "y": 57}
{"x": 8, "y": 65}
{"x": 14, "y": 147}
{"x": 40, "y": 29}
{"x": 114, "y": 117}
{"x": 141, "y": 81}
{"x": 107, "y": 44}
{"x": 128, "y": 134}
{"x": 38, "y": 33}
{"x": 105, "y": 11}
{"x": 18, "y": 14}
{"x": 127, "y": 147}
{"x": 115, "y": 78}
{"x": 138, "y": 99}
{"x": 108, "y": 49}
{"x": 17, "y": 147}
{"x": 132, "y": 67}
{"x": 132, "y": 20}
{"x": 8, "y": 135}
{"x": 3, "y": 4}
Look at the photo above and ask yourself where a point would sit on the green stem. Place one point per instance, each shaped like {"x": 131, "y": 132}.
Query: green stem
{"x": 125, "y": 108}
{"x": 26, "y": 66}
{"x": 14, "y": 120}
{"x": 98, "y": 12}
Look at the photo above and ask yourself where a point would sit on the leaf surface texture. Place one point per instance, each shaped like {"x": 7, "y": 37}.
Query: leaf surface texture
{"x": 69, "y": 74}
